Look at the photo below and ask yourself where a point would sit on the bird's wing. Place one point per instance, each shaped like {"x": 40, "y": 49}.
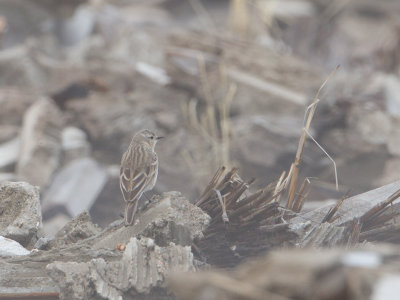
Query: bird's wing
{"x": 134, "y": 182}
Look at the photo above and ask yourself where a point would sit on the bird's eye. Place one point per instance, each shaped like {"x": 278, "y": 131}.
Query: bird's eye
{"x": 152, "y": 137}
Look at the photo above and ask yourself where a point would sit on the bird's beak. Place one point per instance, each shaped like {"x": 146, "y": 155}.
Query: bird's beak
{"x": 159, "y": 137}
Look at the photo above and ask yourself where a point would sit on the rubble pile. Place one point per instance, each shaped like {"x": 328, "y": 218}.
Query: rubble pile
{"x": 83, "y": 261}
{"x": 227, "y": 83}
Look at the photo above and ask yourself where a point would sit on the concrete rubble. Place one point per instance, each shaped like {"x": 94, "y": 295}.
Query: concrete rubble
{"x": 117, "y": 262}
{"x": 21, "y": 216}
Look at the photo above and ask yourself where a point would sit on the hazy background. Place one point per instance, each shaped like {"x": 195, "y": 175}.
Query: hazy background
{"x": 226, "y": 82}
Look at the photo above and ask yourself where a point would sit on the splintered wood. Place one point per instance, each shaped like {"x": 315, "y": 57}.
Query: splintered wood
{"x": 239, "y": 222}
{"x": 245, "y": 224}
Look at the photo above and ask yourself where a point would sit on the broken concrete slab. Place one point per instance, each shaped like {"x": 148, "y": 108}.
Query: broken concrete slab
{"x": 140, "y": 272}
{"x": 21, "y": 217}
{"x": 117, "y": 263}
{"x": 40, "y": 150}
{"x": 75, "y": 187}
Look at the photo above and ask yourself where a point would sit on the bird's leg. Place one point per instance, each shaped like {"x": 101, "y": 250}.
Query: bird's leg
{"x": 128, "y": 206}
{"x": 134, "y": 212}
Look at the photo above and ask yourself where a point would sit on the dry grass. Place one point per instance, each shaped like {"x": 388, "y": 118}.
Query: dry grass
{"x": 211, "y": 121}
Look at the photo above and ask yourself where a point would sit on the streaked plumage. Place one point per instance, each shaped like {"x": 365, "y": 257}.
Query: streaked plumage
{"x": 139, "y": 171}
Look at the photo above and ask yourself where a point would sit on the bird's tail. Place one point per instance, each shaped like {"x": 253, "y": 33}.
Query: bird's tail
{"x": 130, "y": 212}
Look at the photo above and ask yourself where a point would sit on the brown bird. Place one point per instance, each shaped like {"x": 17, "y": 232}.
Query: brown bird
{"x": 139, "y": 171}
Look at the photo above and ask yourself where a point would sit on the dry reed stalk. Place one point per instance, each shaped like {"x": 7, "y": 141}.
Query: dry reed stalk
{"x": 299, "y": 154}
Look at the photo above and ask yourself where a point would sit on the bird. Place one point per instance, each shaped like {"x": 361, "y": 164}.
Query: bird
{"x": 139, "y": 171}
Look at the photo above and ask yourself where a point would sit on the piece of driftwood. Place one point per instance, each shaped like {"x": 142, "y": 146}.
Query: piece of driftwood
{"x": 245, "y": 224}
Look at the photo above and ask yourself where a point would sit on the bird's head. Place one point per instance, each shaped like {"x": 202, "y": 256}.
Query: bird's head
{"x": 148, "y": 137}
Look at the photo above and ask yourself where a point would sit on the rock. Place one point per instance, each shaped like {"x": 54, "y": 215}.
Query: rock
{"x": 74, "y": 144}
{"x": 140, "y": 272}
{"x": 40, "y": 150}
{"x": 169, "y": 218}
{"x": 11, "y": 248}
{"x": 21, "y": 217}
{"x": 9, "y": 153}
{"x": 77, "y": 229}
{"x": 75, "y": 187}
